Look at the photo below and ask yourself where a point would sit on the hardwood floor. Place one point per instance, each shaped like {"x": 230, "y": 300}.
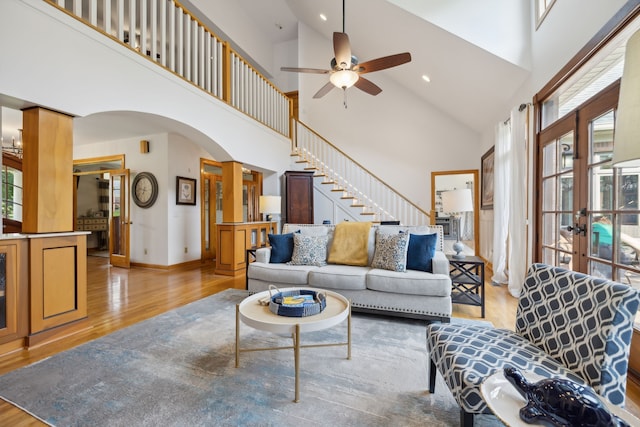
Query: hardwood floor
{"x": 118, "y": 298}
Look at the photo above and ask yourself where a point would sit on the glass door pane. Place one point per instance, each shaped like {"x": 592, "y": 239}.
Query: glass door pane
{"x": 206, "y": 182}
{"x": 119, "y": 219}
{"x": 557, "y": 194}
{"x": 613, "y": 214}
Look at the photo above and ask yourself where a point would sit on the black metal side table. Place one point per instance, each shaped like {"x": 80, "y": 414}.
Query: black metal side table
{"x": 467, "y": 280}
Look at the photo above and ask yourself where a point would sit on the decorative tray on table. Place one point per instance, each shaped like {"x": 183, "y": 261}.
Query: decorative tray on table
{"x": 297, "y": 303}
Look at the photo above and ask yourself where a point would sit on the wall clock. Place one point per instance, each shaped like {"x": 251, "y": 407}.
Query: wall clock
{"x": 144, "y": 189}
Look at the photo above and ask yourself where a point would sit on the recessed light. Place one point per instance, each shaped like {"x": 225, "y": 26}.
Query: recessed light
{"x": 323, "y": 16}
{"x": 426, "y": 78}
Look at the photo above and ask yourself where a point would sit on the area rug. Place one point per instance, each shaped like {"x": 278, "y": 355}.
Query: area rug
{"x": 178, "y": 369}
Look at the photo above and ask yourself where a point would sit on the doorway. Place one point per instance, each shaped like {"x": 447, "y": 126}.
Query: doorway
{"x": 589, "y": 217}
{"x": 98, "y": 207}
{"x": 469, "y": 231}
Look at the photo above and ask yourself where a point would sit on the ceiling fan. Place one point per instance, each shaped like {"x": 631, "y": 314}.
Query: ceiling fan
{"x": 346, "y": 71}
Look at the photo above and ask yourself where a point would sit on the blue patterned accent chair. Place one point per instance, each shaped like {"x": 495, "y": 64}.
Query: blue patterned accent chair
{"x": 567, "y": 324}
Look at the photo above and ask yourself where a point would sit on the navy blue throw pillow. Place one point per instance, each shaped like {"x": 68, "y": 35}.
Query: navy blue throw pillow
{"x": 422, "y": 248}
{"x": 281, "y": 248}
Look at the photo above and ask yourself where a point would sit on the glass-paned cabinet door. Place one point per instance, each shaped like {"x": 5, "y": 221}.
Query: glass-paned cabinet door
{"x": 8, "y": 290}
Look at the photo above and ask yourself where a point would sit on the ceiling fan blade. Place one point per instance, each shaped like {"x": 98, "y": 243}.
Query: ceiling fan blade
{"x": 383, "y": 63}
{"x": 342, "y": 50}
{"x": 324, "y": 90}
{"x": 305, "y": 70}
{"x": 367, "y": 86}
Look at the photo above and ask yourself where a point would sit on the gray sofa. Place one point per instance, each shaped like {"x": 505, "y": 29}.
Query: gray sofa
{"x": 413, "y": 294}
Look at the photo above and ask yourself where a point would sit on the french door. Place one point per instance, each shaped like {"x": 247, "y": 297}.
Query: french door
{"x": 119, "y": 219}
{"x": 589, "y": 209}
{"x": 211, "y": 212}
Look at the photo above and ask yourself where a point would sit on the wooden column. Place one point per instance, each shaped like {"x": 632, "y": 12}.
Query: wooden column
{"x": 47, "y": 171}
{"x": 231, "y": 192}
{"x": 57, "y": 258}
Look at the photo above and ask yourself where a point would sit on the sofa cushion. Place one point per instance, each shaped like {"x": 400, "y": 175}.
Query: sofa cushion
{"x": 411, "y": 282}
{"x": 350, "y": 242}
{"x": 422, "y": 248}
{"x": 333, "y": 276}
{"x": 280, "y": 273}
{"x": 309, "y": 250}
{"x": 281, "y": 247}
{"x": 391, "y": 251}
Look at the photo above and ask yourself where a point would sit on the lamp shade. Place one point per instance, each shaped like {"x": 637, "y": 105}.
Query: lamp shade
{"x": 269, "y": 204}
{"x": 626, "y": 140}
{"x": 456, "y": 201}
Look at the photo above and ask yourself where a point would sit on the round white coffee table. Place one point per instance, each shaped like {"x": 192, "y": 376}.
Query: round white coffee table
{"x": 252, "y": 313}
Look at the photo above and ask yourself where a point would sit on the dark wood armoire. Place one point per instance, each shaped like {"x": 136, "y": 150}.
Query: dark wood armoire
{"x": 299, "y": 197}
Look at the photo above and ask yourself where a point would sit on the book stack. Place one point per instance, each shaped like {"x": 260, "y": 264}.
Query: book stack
{"x": 298, "y": 300}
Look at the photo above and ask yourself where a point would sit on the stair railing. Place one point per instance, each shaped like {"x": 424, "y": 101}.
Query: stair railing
{"x": 381, "y": 202}
{"x": 169, "y": 35}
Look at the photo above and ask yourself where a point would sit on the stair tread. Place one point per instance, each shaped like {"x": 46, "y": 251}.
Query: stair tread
{"x": 367, "y": 213}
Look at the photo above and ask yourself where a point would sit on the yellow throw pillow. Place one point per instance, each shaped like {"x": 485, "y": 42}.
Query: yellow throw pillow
{"x": 350, "y": 241}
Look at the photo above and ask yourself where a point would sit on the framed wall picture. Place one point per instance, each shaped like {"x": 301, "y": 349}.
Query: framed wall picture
{"x": 185, "y": 191}
{"x": 486, "y": 179}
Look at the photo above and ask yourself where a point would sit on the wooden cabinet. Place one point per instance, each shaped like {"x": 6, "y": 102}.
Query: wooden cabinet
{"x": 299, "y": 197}
{"x": 13, "y": 294}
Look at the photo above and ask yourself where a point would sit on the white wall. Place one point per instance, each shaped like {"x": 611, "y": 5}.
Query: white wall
{"x": 395, "y": 135}
{"x": 508, "y": 37}
{"x": 165, "y": 228}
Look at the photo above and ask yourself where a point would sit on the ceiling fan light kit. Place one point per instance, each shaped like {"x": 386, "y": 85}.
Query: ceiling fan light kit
{"x": 344, "y": 78}
{"x": 345, "y": 70}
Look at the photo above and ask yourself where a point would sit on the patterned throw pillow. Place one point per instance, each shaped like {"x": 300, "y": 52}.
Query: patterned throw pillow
{"x": 391, "y": 251}
{"x": 309, "y": 250}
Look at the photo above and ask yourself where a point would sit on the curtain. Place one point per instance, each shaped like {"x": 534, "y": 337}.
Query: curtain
{"x": 501, "y": 191}
{"x": 517, "y": 203}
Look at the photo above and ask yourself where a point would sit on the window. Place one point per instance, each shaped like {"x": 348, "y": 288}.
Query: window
{"x": 542, "y": 8}
{"x": 11, "y": 193}
{"x": 601, "y": 70}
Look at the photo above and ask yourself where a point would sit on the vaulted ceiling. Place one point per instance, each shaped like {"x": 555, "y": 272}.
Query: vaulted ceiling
{"x": 476, "y": 57}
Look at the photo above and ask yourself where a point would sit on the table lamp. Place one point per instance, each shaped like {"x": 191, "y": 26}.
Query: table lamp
{"x": 455, "y": 203}
{"x": 269, "y": 205}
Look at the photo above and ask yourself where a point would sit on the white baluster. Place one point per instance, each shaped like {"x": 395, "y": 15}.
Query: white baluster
{"x": 132, "y": 23}
{"x": 171, "y": 36}
{"x": 162, "y": 36}
{"x": 153, "y": 37}
{"x": 120, "y": 21}
{"x": 180, "y": 43}
{"x": 93, "y": 12}
{"x": 144, "y": 34}
{"x": 77, "y": 8}
{"x": 106, "y": 8}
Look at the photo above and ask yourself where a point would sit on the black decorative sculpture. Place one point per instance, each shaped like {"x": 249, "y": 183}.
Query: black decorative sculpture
{"x": 561, "y": 403}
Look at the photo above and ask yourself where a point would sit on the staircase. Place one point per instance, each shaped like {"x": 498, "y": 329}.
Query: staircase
{"x": 359, "y": 194}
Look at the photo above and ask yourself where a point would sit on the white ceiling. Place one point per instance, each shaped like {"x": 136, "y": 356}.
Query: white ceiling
{"x": 468, "y": 83}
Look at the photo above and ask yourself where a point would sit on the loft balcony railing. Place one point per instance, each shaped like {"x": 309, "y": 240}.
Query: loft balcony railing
{"x": 165, "y": 32}
{"x": 377, "y": 199}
